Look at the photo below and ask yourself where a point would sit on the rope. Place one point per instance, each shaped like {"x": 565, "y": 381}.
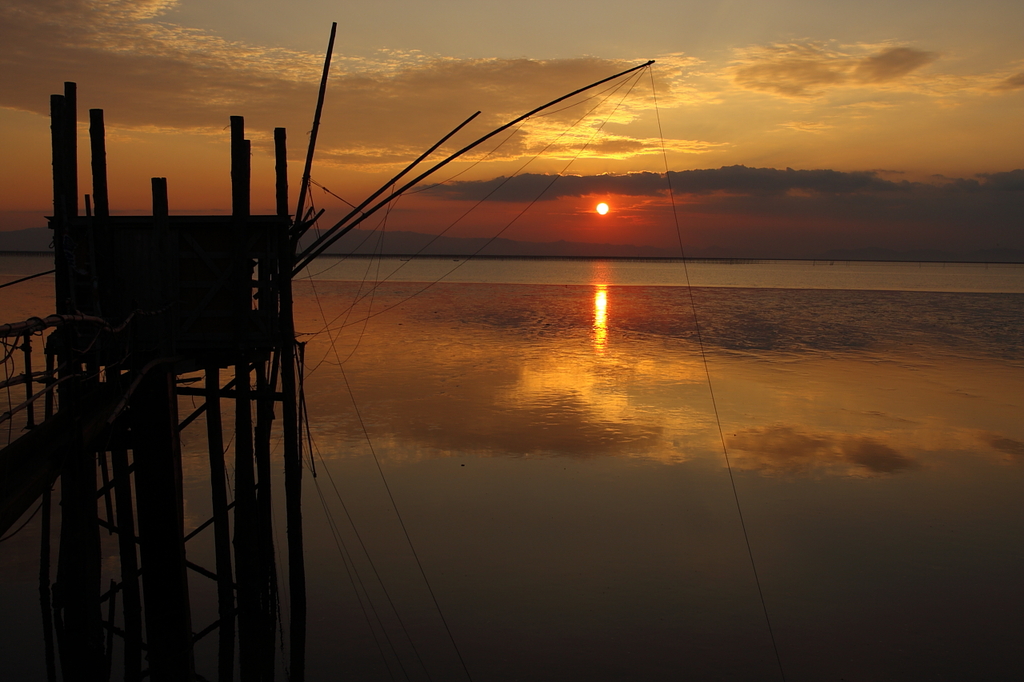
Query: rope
{"x": 711, "y": 390}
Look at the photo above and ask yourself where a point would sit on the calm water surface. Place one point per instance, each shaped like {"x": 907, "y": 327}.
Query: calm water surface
{"x": 548, "y": 434}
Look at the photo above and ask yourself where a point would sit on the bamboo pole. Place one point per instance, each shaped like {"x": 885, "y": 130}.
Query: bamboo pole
{"x": 308, "y": 167}
{"x": 70, "y": 139}
{"x": 161, "y": 526}
{"x": 246, "y": 542}
{"x": 339, "y": 229}
{"x": 98, "y": 148}
{"x": 292, "y": 454}
{"x": 131, "y": 601}
{"x": 264, "y": 511}
{"x": 61, "y": 238}
{"x": 240, "y": 169}
{"x": 44, "y": 587}
{"x": 221, "y": 531}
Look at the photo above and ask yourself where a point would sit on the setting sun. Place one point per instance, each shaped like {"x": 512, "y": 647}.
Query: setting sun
{"x": 602, "y": 208}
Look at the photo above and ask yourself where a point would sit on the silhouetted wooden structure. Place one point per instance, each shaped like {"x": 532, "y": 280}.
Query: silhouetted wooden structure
{"x": 150, "y": 308}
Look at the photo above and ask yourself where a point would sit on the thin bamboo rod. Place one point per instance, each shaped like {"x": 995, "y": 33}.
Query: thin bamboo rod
{"x": 221, "y": 530}
{"x": 307, "y": 168}
{"x": 335, "y": 233}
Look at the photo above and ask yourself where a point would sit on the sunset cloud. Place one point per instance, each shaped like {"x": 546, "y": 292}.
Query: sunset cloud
{"x": 1014, "y": 82}
{"x": 148, "y": 72}
{"x": 753, "y": 211}
{"x": 732, "y": 179}
{"x": 808, "y": 69}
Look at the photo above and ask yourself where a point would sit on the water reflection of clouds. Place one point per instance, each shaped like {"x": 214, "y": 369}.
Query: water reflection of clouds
{"x": 785, "y": 449}
{"x": 513, "y": 371}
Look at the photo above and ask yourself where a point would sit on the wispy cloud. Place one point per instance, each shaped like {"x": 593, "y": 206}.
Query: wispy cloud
{"x": 731, "y": 180}
{"x": 150, "y": 73}
{"x": 807, "y": 126}
{"x": 1014, "y": 82}
{"x": 807, "y": 69}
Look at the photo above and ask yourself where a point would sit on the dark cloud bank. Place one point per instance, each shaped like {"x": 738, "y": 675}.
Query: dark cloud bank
{"x": 809, "y": 213}
{"x": 742, "y": 212}
{"x": 731, "y": 180}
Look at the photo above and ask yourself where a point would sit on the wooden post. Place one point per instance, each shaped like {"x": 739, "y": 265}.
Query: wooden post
{"x": 292, "y": 451}
{"x": 70, "y": 140}
{"x": 221, "y": 531}
{"x": 127, "y": 547}
{"x": 268, "y": 573}
{"x": 44, "y": 588}
{"x": 30, "y": 411}
{"x": 77, "y": 593}
{"x": 98, "y": 147}
{"x": 132, "y": 601}
{"x": 100, "y": 238}
{"x": 154, "y": 416}
{"x": 62, "y": 274}
{"x": 240, "y": 169}
{"x": 281, "y": 170}
{"x": 247, "y": 554}
{"x": 160, "y": 208}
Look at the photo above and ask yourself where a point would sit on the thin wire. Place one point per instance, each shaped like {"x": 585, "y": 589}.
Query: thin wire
{"x": 711, "y": 390}
{"x": 327, "y": 326}
{"x": 551, "y": 112}
{"x": 334, "y": 349}
{"x": 401, "y": 522}
{"x": 346, "y": 561}
{"x": 331, "y": 193}
{"x": 357, "y": 297}
{"x": 309, "y": 436}
{"x": 373, "y": 566}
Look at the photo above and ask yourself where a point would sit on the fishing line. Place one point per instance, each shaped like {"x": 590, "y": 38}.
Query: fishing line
{"x": 596, "y": 95}
{"x": 634, "y": 80}
{"x": 356, "y": 298}
{"x": 401, "y": 522}
{"x": 380, "y": 470}
{"x": 473, "y": 165}
{"x": 489, "y": 194}
{"x": 345, "y": 560}
{"x": 373, "y": 566}
{"x": 309, "y": 436}
{"x": 711, "y": 390}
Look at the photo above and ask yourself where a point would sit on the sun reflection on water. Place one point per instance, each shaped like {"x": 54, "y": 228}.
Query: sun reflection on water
{"x": 601, "y": 318}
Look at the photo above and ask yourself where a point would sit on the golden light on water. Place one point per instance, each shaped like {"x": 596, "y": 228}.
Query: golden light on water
{"x": 600, "y": 318}
{"x": 602, "y": 208}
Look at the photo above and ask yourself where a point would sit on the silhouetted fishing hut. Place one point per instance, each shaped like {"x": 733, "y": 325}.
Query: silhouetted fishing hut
{"x": 149, "y": 308}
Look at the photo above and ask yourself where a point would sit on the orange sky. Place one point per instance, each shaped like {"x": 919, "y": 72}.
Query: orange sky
{"x": 926, "y": 98}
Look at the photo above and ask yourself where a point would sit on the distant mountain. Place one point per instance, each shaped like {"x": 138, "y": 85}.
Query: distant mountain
{"x": 406, "y": 243}
{"x": 403, "y": 243}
